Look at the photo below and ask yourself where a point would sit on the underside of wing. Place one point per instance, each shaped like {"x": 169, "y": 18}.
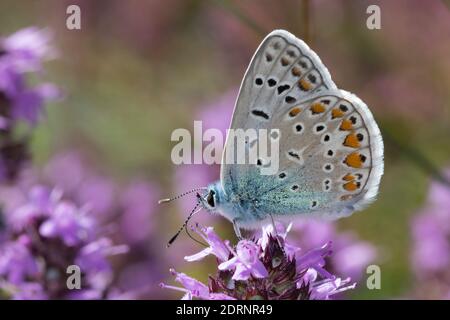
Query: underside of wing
{"x": 283, "y": 72}
{"x": 330, "y": 158}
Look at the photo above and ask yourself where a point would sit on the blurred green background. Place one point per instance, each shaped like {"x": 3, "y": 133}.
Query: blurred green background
{"x": 137, "y": 70}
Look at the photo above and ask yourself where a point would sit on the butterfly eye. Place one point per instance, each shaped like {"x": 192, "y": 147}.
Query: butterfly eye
{"x": 210, "y": 199}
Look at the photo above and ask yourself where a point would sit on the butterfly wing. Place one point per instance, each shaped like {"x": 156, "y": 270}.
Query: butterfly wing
{"x": 282, "y": 72}
{"x": 287, "y": 87}
{"x": 331, "y": 158}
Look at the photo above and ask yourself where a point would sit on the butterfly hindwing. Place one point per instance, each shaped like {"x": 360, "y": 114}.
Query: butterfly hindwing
{"x": 330, "y": 158}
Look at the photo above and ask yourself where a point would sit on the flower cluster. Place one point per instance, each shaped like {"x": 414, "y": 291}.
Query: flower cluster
{"x": 266, "y": 268}
{"x": 44, "y": 236}
{"x": 431, "y": 244}
{"x": 21, "y": 55}
{"x": 93, "y": 212}
{"x": 351, "y": 255}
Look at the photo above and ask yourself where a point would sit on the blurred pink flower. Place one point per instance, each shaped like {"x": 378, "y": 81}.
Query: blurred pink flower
{"x": 430, "y": 256}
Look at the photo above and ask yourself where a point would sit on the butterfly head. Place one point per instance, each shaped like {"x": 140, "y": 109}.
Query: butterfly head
{"x": 208, "y": 198}
{"x": 213, "y": 199}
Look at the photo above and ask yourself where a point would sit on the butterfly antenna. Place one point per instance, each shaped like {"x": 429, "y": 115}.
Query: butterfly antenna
{"x": 194, "y": 211}
{"x": 181, "y": 195}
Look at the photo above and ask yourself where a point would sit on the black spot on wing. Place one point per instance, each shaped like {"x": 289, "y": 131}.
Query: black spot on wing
{"x": 260, "y": 113}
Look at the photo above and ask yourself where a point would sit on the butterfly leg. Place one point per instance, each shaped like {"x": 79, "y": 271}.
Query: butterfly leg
{"x": 237, "y": 231}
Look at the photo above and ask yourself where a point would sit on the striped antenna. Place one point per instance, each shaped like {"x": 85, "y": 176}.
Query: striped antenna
{"x": 194, "y": 211}
{"x": 181, "y": 195}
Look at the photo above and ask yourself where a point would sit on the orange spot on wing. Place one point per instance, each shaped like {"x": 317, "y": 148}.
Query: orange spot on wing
{"x": 354, "y": 160}
{"x": 346, "y": 125}
{"x": 284, "y": 61}
{"x": 304, "y": 85}
{"x": 349, "y": 177}
{"x": 337, "y": 113}
{"x": 317, "y": 108}
{"x": 296, "y": 71}
{"x": 350, "y": 186}
{"x": 294, "y": 111}
{"x": 351, "y": 141}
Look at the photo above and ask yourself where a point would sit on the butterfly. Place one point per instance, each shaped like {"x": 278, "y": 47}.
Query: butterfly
{"x": 330, "y": 147}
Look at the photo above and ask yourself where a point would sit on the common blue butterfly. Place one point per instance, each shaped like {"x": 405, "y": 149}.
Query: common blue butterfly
{"x": 331, "y": 150}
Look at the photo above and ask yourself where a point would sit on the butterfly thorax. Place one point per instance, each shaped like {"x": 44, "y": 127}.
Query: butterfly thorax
{"x": 240, "y": 208}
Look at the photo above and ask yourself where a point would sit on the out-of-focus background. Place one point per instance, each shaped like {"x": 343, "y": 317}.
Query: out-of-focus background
{"x": 137, "y": 70}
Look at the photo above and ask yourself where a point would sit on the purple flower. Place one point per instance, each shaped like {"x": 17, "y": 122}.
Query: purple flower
{"x": 353, "y": 256}
{"x": 431, "y": 231}
{"x": 43, "y": 236}
{"x": 315, "y": 259}
{"x": 194, "y": 288}
{"x": 431, "y": 252}
{"x": 268, "y": 232}
{"x": 21, "y": 54}
{"x": 216, "y": 247}
{"x": 350, "y": 255}
{"x": 41, "y": 203}
{"x": 28, "y": 48}
{"x": 69, "y": 223}
{"x": 263, "y": 270}
{"x": 92, "y": 259}
{"x": 325, "y": 289}
{"x": 29, "y": 103}
{"x": 92, "y": 256}
{"x": 17, "y": 262}
{"x": 66, "y": 170}
{"x": 29, "y": 291}
{"x": 245, "y": 262}
{"x": 98, "y": 193}
{"x": 72, "y": 173}
{"x": 430, "y": 255}
{"x": 24, "y": 52}
{"x": 191, "y": 286}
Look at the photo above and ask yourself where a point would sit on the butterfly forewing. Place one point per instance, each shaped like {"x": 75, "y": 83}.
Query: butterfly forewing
{"x": 330, "y": 158}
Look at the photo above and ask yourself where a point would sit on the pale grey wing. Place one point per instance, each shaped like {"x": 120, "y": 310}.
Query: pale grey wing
{"x": 331, "y": 158}
{"x": 283, "y": 72}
